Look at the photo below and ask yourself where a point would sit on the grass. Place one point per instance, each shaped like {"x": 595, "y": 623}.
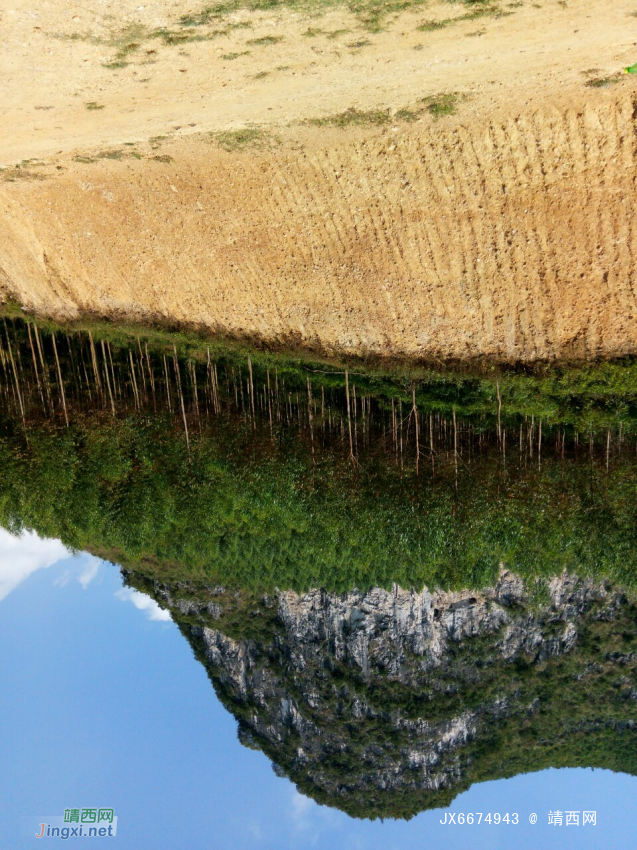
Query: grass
{"x": 440, "y": 105}
{"x": 356, "y": 45}
{"x": 265, "y": 40}
{"x": 479, "y": 9}
{"x": 230, "y": 56}
{"x": 11, "y": 175}
{"x": 603, "y": 82}
{"x": 93, "y": 106}
{"x": 408, "y": 115}
{"x": 313, "y": 32}
{"x": 353, "y": 118}
{"x": 111, "y": 153}
{"x": 246, "y": 137}
{"x": 115, "y": 153}
{"x": 432, "y": 26}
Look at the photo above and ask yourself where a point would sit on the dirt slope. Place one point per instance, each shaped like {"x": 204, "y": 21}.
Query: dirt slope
{"x": 503, "y": 230}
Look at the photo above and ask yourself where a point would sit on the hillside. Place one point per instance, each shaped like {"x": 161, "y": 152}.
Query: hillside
{"x": 434, "y": 181}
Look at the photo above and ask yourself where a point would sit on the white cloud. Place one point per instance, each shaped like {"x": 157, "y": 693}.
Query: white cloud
{"x": 20, "y": 556}
{"x": 312, "y": 820}
{"x": 90, "y": 571}
{"x": 144, "y": 603}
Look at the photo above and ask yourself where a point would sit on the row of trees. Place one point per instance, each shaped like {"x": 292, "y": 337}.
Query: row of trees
{"x": 54, "y": 376}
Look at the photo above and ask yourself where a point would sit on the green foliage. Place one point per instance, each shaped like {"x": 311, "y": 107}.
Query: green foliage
{"x": 242, "y": 511}
{"x": 353, "y": 117}
{"x": 440, "y": 105}
{"x": 265, "y": 40}
{"x": 247, "y": 137}
{"x": 584, "y": 397}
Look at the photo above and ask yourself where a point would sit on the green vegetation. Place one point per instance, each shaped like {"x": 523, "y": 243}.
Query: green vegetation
{"x": 437, "y": 105}
{"x": 440, "y": 105}
{"x": 265, "y": 40}
{"x": 269, "y": 476}
{"x": 588, "y": 397}
{"x": 246, "y": 137}
{"x": 92, "y": 105}
{"x": 603, "y": 82}
{"x": 479, "y": 9}
{"x": 353, "y": 117}
{"x": 239, "y": 511}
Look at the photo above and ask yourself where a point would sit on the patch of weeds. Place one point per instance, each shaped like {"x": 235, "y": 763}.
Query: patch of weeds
{"x": 136, "y": 155}
{"x": 312, "y": 32}
{"x": 479, "y": 9}
{"x": 200, "y": 19}
{"x": 120, "y": 59}
{"x": 11, "y": 175}
{"x": 265, "y": 40}
{"x": 408, "y": 115}
{"x": 116, "y": 153}
{"x": 476, "y": 34}
{"x": 603, "y": 82}
{"x": 355, "y": 45}
{"x": 237, "y": 140}
{"x": 155, "y": 141}
{"x": 418, "y": 46}
{"x": 440, "y": 105}
{"x": 162, "y": 158}
{"x": 173, "y": 37}
{"x": 431, "y": 26}
{"x": 87, "y": 160}
{"x": 353, "y": 117}
{"x": 336, "y": 33}
{"x": 230, "y": 56}
{"x": 92, "y": 105}
{"x": 261, "y": 75}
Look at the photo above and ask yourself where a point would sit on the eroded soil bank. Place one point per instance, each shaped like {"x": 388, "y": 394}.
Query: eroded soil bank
{"x": 504, "y": 230}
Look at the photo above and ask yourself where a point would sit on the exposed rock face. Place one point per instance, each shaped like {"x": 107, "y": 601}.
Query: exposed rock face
{"x": 419, "y": 693}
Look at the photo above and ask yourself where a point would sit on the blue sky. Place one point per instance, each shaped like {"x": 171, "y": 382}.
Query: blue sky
{"x": 103, "y": 704}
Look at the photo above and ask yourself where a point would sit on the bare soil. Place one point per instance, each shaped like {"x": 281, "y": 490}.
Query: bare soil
{"x": 503, "y": 230}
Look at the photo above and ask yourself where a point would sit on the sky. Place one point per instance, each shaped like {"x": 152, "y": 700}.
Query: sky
{"x": 102, "y": 704}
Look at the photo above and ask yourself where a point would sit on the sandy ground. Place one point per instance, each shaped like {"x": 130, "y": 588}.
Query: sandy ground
{"x": 504, "y": 230}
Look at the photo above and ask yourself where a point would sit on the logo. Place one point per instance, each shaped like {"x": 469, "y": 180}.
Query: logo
{"x": 82, "y": 823}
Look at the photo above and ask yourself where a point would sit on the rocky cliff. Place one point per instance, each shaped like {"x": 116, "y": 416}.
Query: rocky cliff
{"x": 387, "y": 702}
